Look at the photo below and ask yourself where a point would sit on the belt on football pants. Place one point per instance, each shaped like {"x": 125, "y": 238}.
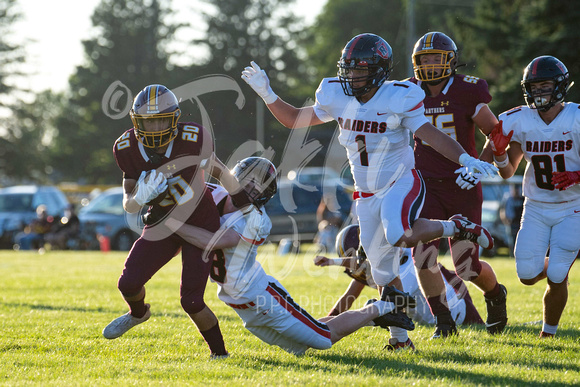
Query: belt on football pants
{"x": 242, "y": 306}
{"x": 358, "y": 195}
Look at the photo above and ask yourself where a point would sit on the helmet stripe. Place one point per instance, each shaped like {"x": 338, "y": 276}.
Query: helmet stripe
{"x": 428, "y": 44}
{"x": 535, "y": 67}
{"x": 352, "y": 46}
{"x": 152, "y": 104}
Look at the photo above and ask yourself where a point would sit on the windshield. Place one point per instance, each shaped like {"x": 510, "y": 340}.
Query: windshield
{"x": 18, "y": 202}
{"x": 105, "y": 204}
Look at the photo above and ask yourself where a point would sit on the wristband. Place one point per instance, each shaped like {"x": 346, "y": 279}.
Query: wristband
{"x": 501, "y": 164}
{"x": 464, "y": 158}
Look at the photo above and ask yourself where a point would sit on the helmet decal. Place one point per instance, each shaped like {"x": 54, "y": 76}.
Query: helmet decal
{"x": 382, "y": 50}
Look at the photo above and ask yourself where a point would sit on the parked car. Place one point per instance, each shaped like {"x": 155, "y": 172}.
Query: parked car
{"x": 293, "y": 209}
{"x": 104, "y": 216}
{"x": 18, "y": 208}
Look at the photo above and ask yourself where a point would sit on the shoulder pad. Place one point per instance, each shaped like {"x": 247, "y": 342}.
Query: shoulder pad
{"x": 405, "y": 97}
{"x": 327, "y": 90}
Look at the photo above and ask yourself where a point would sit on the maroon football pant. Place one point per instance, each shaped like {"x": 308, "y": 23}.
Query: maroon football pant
{"x": 147, "y": 257}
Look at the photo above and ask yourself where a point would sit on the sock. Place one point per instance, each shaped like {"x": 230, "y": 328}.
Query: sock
{"x": 448, "y": 228}
{"x": 214, "y": 339}
{"x": 493, "y": 293}
{"x": 384, "y": 307}
{"x": 551, "y": 329}
{"x": 137, "y": 308}
{"x": 437, "y": 306}
{"x": 399, "y": 333}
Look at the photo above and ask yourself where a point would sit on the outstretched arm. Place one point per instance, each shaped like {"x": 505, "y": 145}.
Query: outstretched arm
{"x": 288, "y": 115}
{"x": 203, "y": 238}
{"x": 451, "y": 149}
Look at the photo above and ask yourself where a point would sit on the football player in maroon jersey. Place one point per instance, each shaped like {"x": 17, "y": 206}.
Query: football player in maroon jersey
{"x": 454, "y": 103}
{"x": 160, "y": 158}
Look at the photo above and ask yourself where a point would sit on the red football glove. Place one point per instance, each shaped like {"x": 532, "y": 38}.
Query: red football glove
{"x": 498, "y": 140}
{"x": 564, "y": 180}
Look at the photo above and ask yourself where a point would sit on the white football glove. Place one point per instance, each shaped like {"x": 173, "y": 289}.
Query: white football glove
{"x": 476, "y": 165}
{"x": 467, "y": 178}
{"x": 148, "y": 190}
{"x": 258, "y": 80}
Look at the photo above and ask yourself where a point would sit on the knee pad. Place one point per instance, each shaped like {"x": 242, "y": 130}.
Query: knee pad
{"x": 127, "y": 287}
{"x": 192, "y": 304}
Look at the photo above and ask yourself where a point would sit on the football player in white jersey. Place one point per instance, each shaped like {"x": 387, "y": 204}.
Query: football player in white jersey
{"x": 353, "y": 258}
{"x": 546, "y": 133}
{"x": 266, "y": 308}
{"x": 376, "y": 117}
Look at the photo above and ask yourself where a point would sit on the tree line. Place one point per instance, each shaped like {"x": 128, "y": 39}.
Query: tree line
{"x": 68, "y": 136}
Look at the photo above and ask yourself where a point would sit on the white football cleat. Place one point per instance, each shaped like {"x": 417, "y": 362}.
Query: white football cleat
{"x": 120, "y": 325}
{"x": 465, "y": 229}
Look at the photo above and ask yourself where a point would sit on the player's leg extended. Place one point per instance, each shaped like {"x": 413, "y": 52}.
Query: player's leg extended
{"x": 345, "y": 301}
{"x": 564, "y": 245}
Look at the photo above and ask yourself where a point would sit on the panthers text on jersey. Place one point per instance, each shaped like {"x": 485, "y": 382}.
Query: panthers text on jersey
{"x": 239, "y": 276}
{"x": 546, "y": 148}
{"x": 376, "y": 134}
{"x": 452, "y": 112}
{"x": 179, "y": 164}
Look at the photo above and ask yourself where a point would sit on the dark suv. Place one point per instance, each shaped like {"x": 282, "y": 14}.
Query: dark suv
{"x": 293, "y": 209}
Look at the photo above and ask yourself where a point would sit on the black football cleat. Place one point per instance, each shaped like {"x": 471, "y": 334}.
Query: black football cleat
{"x": 496, "y": 312}
{"x": 401, "y": 299}
{"x": 396, "y": 318}
{"x": 444, "y": 326}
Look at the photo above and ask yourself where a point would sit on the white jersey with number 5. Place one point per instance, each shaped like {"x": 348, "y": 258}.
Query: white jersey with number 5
{"x": 376, "y": 133}
{"x": 546, "y": 148}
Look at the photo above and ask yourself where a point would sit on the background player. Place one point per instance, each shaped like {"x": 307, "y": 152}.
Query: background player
{"x": 353, "y": 258}
{"x": 455, "y": 103}
{"x": 159, "y": 158}
{"x": 546, "y": 133}
{"x": 266, "y": 308}
{"x": 376, "y": 117}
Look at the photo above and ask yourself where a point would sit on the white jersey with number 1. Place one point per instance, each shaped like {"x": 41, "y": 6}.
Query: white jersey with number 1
{"x": 376, "y": 134}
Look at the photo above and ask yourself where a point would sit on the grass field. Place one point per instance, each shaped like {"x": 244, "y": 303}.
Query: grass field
{"x": 54, "y": 306}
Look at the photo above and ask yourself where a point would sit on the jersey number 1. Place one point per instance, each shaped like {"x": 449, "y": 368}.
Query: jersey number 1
{"x": 362, "y": 150}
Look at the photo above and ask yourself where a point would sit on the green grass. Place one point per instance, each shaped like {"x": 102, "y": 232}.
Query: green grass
{"x": 54, "y": 306}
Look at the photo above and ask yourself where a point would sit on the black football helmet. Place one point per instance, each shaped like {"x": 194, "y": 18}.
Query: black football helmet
{"x": 367, "y": 52}
{"x": 545, "y": 68}
{"x": 262, "y": 173}
{"x": 435, "y": 43}
{"x": 155, "y": 105}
